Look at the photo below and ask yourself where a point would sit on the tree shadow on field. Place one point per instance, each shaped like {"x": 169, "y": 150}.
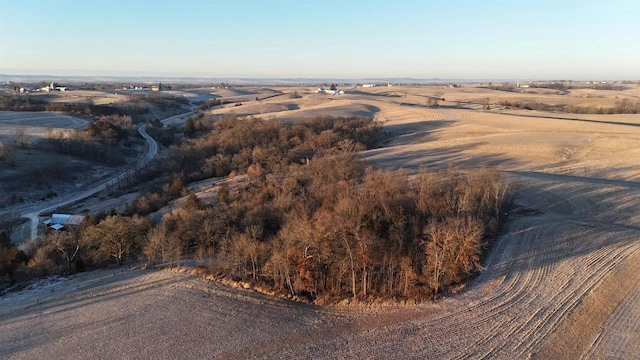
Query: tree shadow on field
{"x": 414, "y": 132}
{"x": 363, "y": 110}
{"x": 407, "y": 146}
{"x": 455, "y": 157}
{"x": 381, "y": 94}
{"x": 568, "y": 119}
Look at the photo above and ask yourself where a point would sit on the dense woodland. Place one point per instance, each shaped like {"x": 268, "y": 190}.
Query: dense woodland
{"x": 297, "y": 211}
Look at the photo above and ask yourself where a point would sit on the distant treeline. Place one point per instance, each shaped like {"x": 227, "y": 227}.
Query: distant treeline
{"x": 135, "y": 107}
{"x": 512, "y": 87}
{"x": 561, "y": 86}
{"x": 28, "y": 103}
{"x": 625, "y": 106}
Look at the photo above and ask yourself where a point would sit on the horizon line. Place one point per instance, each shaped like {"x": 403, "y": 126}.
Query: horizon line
{"x": 298, "y": 78}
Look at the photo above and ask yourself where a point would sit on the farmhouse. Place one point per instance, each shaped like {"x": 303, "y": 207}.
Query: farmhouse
{"x": 61, "y": 221}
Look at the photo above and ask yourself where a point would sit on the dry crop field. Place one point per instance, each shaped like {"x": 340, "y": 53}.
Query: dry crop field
{"x": 563, "y": 282}
{"x": 37, "y": 125}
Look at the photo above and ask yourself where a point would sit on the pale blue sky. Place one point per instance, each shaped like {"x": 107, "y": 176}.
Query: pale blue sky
{"x": 545, "y": 39}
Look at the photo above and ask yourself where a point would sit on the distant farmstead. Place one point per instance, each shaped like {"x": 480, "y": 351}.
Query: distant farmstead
{"x": 60, "y": 222}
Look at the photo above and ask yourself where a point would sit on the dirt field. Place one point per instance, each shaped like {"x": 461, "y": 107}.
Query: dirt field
{"x": 562, "y": 283}
{"x": 37, "y": 125}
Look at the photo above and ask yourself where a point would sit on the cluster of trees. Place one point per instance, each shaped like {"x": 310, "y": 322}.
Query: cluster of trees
{"x": 208, "y": 104}
{"x": 232, "y": 144}
{"x": 532, "y": 105}
{"x": 88, "y": 149}
{"x": 165, "y": 101}
{"x": 313, "y": 220}
{"x": 106, "y": 140}
{"x": 193, "y": 125}
{"x": 502, "y": 87}
{"x": 21, "y": 103}
{"x": 155, "y": 198}
{"x": 98, "y": 241}
{"x": 625, "y": 106}
{"x": 328, "y": 230}
{"x": 19, "y": 137}
{"x": 98, "y": 110}
{"x": 12, "y": 260}
{"x": 165, "y": 135}
{"x": 607, "y": 86}
{"x": 551, "y": 85}
{"x": 431, "y": 101}
{"x": 110, "y": 129}
{"x": 334, "y": 229}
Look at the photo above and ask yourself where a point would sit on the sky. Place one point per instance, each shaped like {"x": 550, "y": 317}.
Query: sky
{"x": 448, "y": 39}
